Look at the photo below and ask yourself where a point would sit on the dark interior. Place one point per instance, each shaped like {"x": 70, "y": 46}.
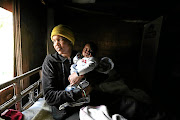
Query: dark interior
{"x": 118, "y": 28}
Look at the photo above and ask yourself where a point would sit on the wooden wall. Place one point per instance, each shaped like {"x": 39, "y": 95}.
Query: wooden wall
{"x": 115, "y": 38}
{"x": 7, "y": 4}
{"x": 33, "y": 31}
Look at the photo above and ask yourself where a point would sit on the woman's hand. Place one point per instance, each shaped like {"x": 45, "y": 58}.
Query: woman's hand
{"x": 75, "y": 79}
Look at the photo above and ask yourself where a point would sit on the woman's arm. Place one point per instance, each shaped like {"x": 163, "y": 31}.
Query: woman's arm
{"x": 55, "y": 95}
{"x": 74, "y": 78}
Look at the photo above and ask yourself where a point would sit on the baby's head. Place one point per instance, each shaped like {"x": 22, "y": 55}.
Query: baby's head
{"x": 89, "y": 50}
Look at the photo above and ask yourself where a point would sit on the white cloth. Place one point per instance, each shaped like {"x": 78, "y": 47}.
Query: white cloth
{"x": 33, "y": 111}
{"x": 83, "y": 65}
{"x": 97, "y": 113}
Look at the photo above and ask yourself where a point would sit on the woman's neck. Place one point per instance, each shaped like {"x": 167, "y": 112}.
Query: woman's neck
{"x": 68, "y": 56}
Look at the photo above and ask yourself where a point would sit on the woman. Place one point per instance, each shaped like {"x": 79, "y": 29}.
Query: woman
{"x": 55, "y": 72}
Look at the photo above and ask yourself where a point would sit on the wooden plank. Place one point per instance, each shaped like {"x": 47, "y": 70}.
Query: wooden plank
{"x": 6, "y": 94}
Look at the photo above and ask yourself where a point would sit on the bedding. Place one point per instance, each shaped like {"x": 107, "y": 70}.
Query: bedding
{"x": 98, "y": 113}
{"x": 34, "y": 110}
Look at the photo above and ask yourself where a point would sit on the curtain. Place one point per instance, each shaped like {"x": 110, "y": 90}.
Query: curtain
{"x": 17, "y": 49}
{"x": 17, "y": 39}
{"x": 17, "y": 43}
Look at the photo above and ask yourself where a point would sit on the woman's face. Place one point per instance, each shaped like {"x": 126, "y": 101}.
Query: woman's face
{"x": 62, "y": 45}
{"x": 87, "y": 51}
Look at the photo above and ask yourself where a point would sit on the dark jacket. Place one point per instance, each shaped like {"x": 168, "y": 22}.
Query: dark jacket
{"x": 55, "y": 72}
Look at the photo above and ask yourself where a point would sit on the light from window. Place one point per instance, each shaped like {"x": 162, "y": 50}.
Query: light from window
{"x": 6, "y": 46}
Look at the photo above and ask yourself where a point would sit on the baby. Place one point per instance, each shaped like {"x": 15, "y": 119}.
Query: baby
{"x": 84, "y": 63}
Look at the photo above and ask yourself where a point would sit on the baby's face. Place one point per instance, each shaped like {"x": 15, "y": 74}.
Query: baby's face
{"x": 87, "y": 51}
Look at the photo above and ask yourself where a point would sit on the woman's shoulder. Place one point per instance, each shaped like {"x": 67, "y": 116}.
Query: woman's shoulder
{"x": 51, "y": 57}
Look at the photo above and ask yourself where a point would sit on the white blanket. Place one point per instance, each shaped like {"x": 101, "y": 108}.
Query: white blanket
{"x": 98, "y": 113}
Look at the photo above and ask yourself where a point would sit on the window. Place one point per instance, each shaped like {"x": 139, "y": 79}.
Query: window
{"x": 6, "y": 46}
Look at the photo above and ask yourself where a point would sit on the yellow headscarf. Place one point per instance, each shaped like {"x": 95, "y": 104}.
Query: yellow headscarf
{"x": 63, "y": 31}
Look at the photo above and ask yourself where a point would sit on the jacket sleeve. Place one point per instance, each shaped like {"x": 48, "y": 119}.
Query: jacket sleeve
{"x": 53, "y": 94}
{"x": 77, "y": 57}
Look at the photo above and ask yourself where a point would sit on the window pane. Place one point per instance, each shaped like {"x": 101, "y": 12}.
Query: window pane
{"x": 6, "y": 45}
